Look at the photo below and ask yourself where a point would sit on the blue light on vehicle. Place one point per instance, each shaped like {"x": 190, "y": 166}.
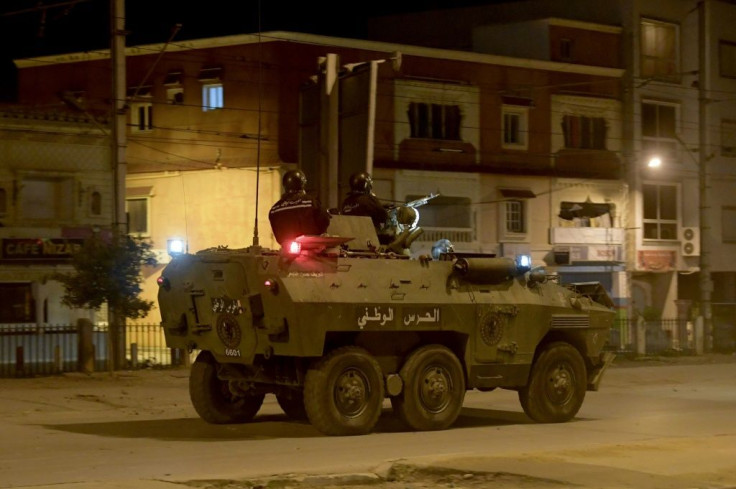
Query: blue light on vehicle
{"x": 176, "y": 246}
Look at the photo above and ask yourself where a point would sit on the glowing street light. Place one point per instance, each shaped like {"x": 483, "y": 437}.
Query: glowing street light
{"x": 654, "y": 162}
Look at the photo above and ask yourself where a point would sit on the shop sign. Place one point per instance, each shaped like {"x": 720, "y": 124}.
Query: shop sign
{"x": 39, "y": 249}
{"x": 656, "y": 260}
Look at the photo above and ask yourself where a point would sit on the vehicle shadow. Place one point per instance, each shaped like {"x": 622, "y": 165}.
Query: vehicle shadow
{"x": 268, "y": 426}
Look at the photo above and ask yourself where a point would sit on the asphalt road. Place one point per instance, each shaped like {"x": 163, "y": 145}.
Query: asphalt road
{"x": 668, "y": 425}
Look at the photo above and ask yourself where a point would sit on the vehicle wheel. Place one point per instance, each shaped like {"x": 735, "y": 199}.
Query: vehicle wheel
{"x": 343, "y": 392}
{"x": 212, "y": 398}
{"x": 434, "y": 389}
{"x": 292, "y": 403}
{"x": 556, "y": 386}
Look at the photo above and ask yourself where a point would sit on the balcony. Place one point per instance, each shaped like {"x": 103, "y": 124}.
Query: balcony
{"x": 586, "y": 236}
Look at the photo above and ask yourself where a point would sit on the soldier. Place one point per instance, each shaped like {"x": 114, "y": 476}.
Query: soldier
{"x": 297, "y": 213}
{"x": 361, "y": 201}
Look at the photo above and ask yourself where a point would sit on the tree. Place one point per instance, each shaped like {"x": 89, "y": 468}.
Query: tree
{"x": 109, "y": 271}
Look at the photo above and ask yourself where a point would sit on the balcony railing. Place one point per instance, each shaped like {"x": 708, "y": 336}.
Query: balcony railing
{"x": 455, "y": 235}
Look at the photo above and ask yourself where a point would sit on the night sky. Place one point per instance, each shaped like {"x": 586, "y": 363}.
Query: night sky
{"x": 27, "y": 29}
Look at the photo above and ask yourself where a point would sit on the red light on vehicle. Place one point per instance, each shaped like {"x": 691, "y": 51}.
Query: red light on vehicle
{"x": 163, "y": 282}
{"x": 271, "y": 285}
{"x": 294, "y": 248}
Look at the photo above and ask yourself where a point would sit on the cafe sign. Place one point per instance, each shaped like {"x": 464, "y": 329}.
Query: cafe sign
{"x": 39, "y": 249}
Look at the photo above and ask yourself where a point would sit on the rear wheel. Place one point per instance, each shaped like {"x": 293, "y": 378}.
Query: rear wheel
{"x": 556, "y": 386}
{"x": 212, "y": 397}
{"x": 343, "y": 392}
{"x": 434, "y": 389}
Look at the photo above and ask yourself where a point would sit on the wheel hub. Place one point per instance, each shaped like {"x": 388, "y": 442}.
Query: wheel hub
{"x": 351, "y": 393}
{"x": 435, "y": 389}
{"x": 560, "y": 385}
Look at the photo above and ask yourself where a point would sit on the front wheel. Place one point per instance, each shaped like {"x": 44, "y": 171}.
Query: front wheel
{"x": 212, "y": 398}
{"x": 556, "y": 386}
{"x": 434, "y": 389}
{"x": 343, "y": 392}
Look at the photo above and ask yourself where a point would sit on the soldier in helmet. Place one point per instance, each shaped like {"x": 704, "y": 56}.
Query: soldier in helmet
{"x": 361, "y": 201}
{"x": 297, "y": 213}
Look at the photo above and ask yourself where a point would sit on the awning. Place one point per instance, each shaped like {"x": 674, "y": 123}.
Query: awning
{"x": 210, "y": 74}
{"x": 173, "y": 78}
{"x": 516, "y": 193}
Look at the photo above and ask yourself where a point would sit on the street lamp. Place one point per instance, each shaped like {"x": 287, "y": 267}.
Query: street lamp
{"x": 654, "y": 162}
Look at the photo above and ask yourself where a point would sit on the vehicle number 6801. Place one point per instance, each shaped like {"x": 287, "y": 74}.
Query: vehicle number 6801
{"x": 232, "y": 352}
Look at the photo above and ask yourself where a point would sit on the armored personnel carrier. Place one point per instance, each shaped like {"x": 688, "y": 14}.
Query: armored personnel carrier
{"x": 334, "y": 324}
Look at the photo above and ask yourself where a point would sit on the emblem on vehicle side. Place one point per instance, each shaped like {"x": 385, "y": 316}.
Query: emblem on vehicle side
{"x": 228, "y": 330}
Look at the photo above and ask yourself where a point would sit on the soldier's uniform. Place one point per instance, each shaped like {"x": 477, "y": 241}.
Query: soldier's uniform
{"x": 297, "y": 214}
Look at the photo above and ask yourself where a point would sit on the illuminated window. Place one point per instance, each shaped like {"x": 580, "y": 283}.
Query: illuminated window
{"x": 659, "y": 130}
{"x": 660, "y": 211}
{"x": 659, "y": 50}
{"x": 141, "y": 116}
{"x": 212, "y": 96}
{"x": 434, "y": 121}
{"x": 515, "y": 127}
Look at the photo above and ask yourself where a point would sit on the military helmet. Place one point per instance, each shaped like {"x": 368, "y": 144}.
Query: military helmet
{"x": 361, "y": 182}
{"x": 294, "y": 181}
{"x": 441, "y": 247}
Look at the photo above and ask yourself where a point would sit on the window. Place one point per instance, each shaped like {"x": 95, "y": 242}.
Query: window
{"x": 17, "y": 305}
{"x": 659, "y": 130}
{"x": 175, "y": 95}
{"x": 212, "y": 96}
{"x": 514, "y": 127}
{"x": 584, "y": 132}
{"x": 727, "y": 59}
{"x": 95, "y": 203}
{"x": 515, "y": 216}
{"x": 3, "y": 202}
{"x": 47, "y": 198}
{"x": 566, "y": 49}
{"x": 659, "y": 50}
{"x": 728, "y": 224}
{"x": 445, "y": 217}
{"x": 434, "y": 121}
{"x": 660, "y": 211}
{"x": 141, "y": 116}
{"x": 138, "y": 218}
{"x": 728, "y": 138}
{"x": 174, "y": 88}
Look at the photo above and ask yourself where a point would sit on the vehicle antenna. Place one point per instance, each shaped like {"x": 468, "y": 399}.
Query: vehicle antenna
{"x": 258, "y": 143}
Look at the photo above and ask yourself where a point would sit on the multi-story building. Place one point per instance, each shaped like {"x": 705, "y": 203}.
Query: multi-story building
{"x": 55, "y": 191}
{"x": 525, "y": 153}
{"x": 678, "y": 104}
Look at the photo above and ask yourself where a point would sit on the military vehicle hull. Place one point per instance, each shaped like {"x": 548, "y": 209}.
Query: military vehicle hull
{"x": 332, "y": 332}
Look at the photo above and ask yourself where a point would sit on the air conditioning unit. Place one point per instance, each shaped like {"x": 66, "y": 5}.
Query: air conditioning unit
{"x": 690, "y": 241}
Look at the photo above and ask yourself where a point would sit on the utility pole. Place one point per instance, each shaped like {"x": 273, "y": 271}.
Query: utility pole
{"x": 705, "y": 282}
{"x": 118, "y": 142}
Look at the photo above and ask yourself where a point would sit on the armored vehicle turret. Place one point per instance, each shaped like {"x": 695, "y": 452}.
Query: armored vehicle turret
{"x": 334, "y": 324}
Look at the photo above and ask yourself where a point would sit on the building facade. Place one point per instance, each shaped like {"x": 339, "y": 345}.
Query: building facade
{"x": 526, "y": 154}
{"x": 677, "y": 104}
{"x": 55, "y": 192}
